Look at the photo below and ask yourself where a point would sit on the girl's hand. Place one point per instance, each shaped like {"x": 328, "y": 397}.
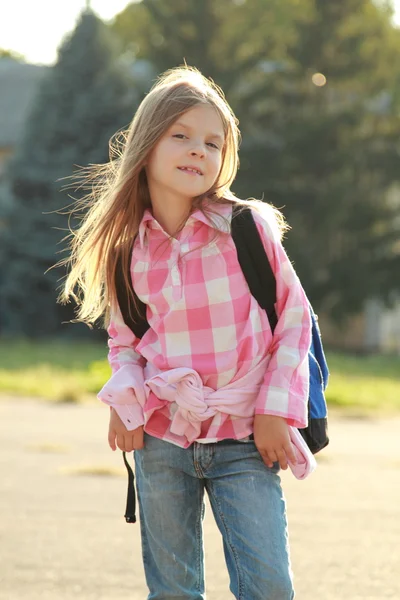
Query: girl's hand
{"x": 118, "y": 435}
{"x": 271, "y": 436}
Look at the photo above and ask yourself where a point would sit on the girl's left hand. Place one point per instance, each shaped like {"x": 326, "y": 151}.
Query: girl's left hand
{"x": 271, "y": 437}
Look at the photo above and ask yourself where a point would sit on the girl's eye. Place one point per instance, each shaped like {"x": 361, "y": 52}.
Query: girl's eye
{"x": 181, "y": 136}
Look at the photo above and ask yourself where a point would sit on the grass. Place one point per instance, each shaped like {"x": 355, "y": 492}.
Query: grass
{"x": 64, "y": 371}
{"x": 61, "y": 371}
{"x": 369, "y": 383}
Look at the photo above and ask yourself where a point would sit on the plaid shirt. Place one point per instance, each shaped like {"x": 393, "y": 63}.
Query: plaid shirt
{"x": 209, "y": 358}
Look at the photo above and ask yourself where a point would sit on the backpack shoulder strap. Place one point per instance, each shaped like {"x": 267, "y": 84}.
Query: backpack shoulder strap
{"x": 135, "y": 319}
{"x": 254, "y": 261}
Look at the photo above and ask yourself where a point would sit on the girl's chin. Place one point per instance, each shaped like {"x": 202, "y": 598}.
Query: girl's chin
{"x": 191, "y": 191}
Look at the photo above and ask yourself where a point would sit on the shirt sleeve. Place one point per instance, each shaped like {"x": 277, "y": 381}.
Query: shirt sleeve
{"x": 124, "y": 391}
{"x": 285, "y": 387}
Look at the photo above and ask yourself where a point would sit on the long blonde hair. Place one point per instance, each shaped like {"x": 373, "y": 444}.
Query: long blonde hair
{"x": 119, "y": 195}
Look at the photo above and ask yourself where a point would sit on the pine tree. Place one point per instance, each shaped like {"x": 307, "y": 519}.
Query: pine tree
{"x": 85, "y": 99}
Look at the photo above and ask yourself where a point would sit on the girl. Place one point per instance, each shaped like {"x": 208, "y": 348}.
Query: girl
{"x": 208, "y": 397}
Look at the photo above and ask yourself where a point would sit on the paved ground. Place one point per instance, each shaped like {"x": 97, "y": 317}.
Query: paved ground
{"x": 62, "y": 535}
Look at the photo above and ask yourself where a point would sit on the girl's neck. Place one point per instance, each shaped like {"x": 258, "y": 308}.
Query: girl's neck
{"x": 172, "y": 215}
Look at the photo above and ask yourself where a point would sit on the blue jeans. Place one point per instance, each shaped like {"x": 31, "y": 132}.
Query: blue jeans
{"x": 248, "y": 506}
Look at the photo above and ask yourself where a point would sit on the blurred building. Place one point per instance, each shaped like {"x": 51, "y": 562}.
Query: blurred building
{"x": 375, "y": 330}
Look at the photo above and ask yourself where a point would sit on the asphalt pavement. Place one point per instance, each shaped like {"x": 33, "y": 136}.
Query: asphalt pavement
{"x": 62, "y": 499}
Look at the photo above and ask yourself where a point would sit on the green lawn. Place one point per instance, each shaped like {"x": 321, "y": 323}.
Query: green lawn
{"x": 57, "y": 370}
{"x": 364, "y": 383}
{"x": 74, "y": 372}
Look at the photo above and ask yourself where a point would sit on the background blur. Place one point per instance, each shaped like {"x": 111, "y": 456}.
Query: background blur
{"x": 316, "y": 87}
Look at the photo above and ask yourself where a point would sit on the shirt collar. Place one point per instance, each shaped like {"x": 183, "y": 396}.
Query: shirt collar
{"x": 147, "y": 216}
{"x": 218, "y": 217}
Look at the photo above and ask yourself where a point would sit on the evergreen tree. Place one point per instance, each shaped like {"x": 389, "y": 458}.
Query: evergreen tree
{"x": 85, "y": 99}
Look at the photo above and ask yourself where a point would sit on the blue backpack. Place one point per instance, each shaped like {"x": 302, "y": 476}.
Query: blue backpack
{"x": 261, "y": 281}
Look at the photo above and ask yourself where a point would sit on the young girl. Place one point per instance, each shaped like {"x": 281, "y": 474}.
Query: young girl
{"x": 208, "y": 398}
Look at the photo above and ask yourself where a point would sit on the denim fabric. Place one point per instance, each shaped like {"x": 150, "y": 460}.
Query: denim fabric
{"x": 249, "y": 508}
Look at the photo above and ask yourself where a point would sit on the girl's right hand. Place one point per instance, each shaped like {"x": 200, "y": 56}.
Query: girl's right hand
{"x": 118, "y": 435}
{"x": 272, "y": 439}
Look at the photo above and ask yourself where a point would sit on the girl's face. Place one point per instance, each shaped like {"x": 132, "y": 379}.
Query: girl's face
{"x": 187, "y": 159}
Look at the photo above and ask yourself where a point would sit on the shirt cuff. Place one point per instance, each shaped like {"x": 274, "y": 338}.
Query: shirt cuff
{"x": 124, "y": 392}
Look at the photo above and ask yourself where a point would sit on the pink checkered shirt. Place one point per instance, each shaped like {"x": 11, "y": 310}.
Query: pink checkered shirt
{"x": 209, "y": 361}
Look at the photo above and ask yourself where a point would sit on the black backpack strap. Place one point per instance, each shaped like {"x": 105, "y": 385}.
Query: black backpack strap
{"x": 137, "y": 322}
{"x": 139, "y": 325}
{"x": 130, "y": 516}
{"x": 254, "y": 261}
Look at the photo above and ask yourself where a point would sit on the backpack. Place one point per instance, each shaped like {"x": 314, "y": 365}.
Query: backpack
{"x": 261, "y": 281}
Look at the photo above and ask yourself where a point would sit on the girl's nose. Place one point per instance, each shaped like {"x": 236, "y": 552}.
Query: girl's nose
{"x": 197, "y": 150}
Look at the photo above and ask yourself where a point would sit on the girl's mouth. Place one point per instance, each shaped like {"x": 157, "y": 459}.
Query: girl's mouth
{"x": 191, "y": 170}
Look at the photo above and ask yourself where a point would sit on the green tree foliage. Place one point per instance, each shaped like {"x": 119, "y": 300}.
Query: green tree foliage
{"x": 84, "y": 100}
{"x": 225, "y": 39}
{"x": 327, "y": 154}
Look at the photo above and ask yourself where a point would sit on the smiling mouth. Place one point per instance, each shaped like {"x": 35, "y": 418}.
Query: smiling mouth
{"x": 190, "y": 170}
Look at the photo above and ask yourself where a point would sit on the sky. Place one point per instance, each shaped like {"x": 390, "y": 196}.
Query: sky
{"x": 35, "y": 28}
